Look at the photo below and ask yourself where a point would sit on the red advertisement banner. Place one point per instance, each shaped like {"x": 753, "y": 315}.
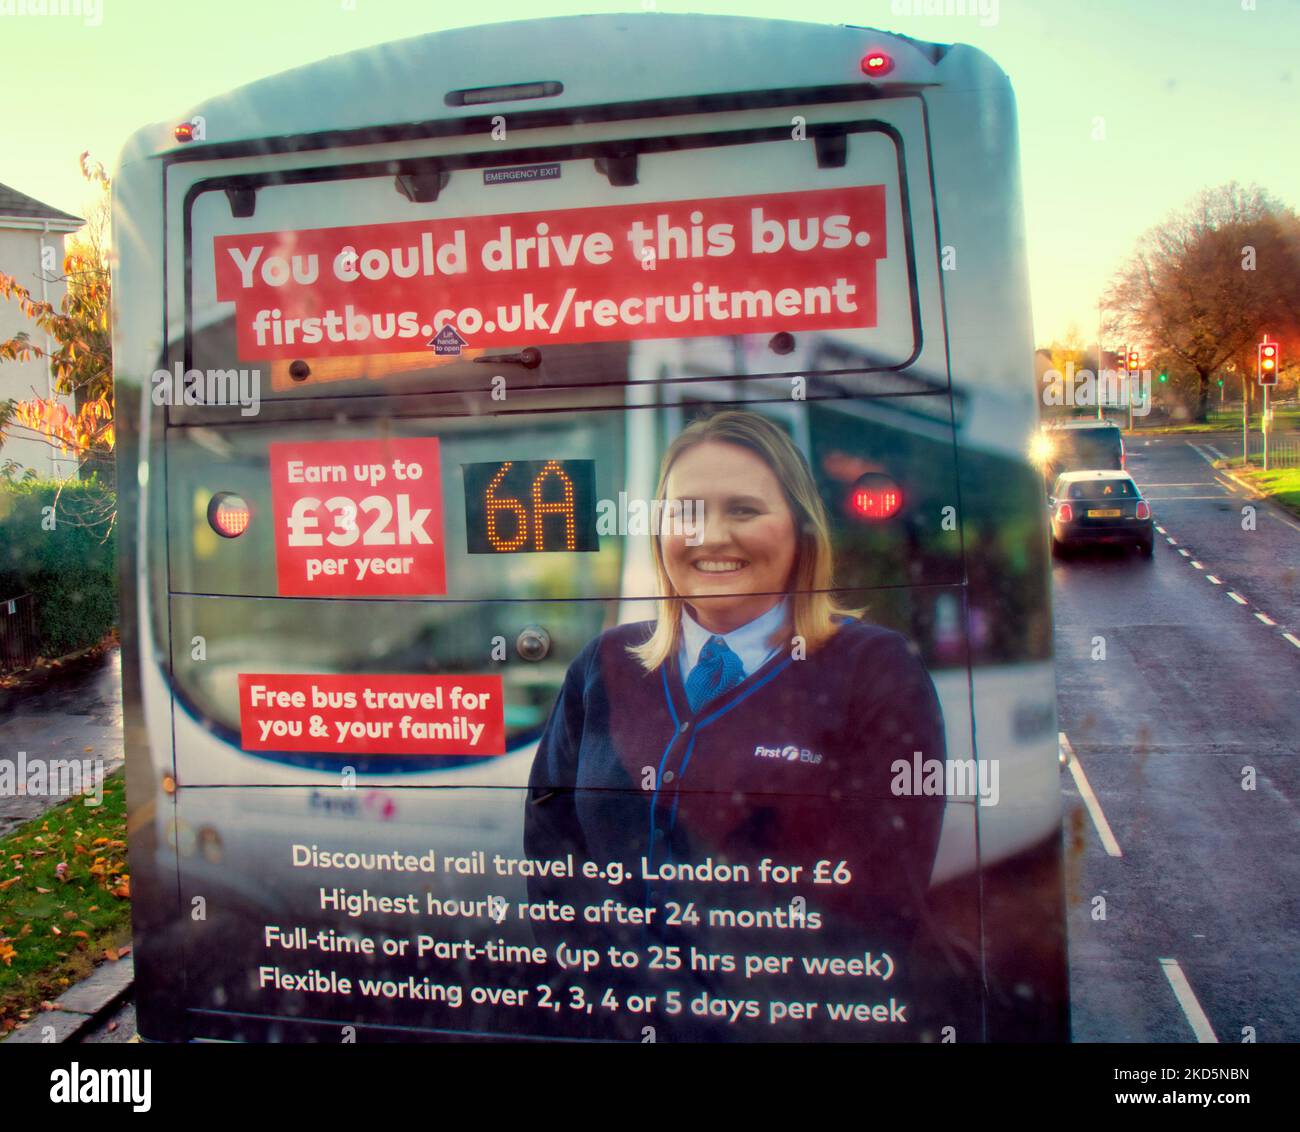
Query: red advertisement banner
{"x": 721, "y": 265}
{"x": 359, "y": 517}
{"x": 372, "y": 715}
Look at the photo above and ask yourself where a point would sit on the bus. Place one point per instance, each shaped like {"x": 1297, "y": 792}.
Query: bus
{"x": 401, "y": 339}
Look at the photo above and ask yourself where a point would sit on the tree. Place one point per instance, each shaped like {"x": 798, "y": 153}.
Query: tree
{"x": 82, "y": 361}
{"x": 1205, "y": 284}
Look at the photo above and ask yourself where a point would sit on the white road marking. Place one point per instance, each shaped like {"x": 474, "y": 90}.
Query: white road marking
{"x": 1183, "y": 552}
{"x": 1089, "y": 798}
{"x": 1237, "y": 598}
{"x": 1197, "y": 566}
{"x": 1198, "y": 451}
{"x": 1213, "y": 580}
{"x": 1198, "y": 483}
{"x": 1171, "y": 541}
{"x": 1265, "y": 618}
{"x": 1187, "y": 1000}
{"x": 1293, "y": 639}
{"x": 1160, "y": 529}
{"x": 1219, "y": 454}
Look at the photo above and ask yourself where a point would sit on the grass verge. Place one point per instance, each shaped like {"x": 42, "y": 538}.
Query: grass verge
{"x": 65, "y": 900}
{"x": 1281, "y": 485}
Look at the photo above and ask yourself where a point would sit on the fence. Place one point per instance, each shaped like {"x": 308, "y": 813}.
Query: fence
{"x": 19, "y": 641}
{"x": 1283, "y": 451}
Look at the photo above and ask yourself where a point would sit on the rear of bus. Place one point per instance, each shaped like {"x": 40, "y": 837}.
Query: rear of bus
{"x": 326, "y": 324}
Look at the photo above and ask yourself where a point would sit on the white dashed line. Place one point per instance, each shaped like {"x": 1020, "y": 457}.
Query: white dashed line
{"x": 1196, "y": 565}
{"x": 1265, "y": 618}
{"x": 1187, "y": 1000}
{"x": 1089, "y": 798}
{"x": 1237, "y": 598}
{"x": 1293, "y": 639}
{"x": 1161, "y": 529}
{"x": 1183, "y": 552}
{"x": 1170, "y": 541}
{"x": 1219, "y": 454}
{"x": 1213, "y": 580}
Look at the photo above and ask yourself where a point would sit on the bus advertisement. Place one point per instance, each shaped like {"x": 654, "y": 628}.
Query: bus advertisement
{"x": 583, "y": 576}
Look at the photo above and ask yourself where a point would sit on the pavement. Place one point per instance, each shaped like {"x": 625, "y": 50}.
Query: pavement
{"x": 77, "y": 716}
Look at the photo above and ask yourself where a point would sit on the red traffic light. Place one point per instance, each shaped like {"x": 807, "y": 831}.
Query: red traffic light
{"x": 1268, "y": 363}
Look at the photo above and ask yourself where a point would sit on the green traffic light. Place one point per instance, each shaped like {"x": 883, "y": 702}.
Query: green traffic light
{"x": 1163, "y": 376}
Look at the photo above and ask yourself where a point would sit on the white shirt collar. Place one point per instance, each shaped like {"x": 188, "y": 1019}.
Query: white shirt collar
{"x": 750, "y": 642}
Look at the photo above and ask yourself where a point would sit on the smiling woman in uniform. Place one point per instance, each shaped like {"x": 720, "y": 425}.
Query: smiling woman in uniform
{"x": 753, "y": 720}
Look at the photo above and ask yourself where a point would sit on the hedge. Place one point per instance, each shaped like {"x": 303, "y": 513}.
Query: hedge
{"x": 57, "y": 543}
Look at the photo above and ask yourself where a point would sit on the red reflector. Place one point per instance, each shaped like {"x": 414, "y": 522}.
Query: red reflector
{"x": 1064, "y": 513}
{"x": 876, "y": 63}
{"x": 229, "y": 515}
{"x": 1144, "y": 512}
{"x": 875, "y": 496}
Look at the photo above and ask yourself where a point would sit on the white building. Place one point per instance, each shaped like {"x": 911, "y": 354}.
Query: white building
{"x": 31, "y": 250}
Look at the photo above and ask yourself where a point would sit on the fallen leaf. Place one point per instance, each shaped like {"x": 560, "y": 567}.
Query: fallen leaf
{"x": 9, "y": 883}
{"x": 44, "y": 891}
{"x": 111, "y": 953}
{"x": 7, "y": 952}
{"x": 81, "y": 934}
{"x": 56, "y": 929}
{"x": 123, "y": 890}
{"x": 69, "y": 915}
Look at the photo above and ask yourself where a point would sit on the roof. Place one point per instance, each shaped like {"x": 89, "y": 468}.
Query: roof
{"x": 14, "y": 203}
{"x": 635, "y": 57}
{"x": 1083, "y": 425}
{"x": 1109, "y": 474}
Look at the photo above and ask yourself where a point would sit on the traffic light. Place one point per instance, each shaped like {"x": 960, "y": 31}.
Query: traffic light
{"x": 1165, "y": 377}
{"x": 1132, "y": 361}
{"x": 1268, "y": 360}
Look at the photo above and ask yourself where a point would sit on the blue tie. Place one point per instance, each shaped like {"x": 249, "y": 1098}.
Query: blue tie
{"x": 718, "y": 671}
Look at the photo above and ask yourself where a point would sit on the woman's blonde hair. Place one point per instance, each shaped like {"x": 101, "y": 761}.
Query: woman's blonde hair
{"x": 815, "y": 610}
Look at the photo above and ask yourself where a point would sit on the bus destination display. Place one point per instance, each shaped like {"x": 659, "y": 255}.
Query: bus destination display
{"x": 518, "y": 506}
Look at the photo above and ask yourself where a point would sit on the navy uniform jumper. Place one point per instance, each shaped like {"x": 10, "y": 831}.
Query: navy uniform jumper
{"x": 793, "y": 764}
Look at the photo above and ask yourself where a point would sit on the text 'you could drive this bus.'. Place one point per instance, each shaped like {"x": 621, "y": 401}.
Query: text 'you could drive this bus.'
{"x": 582, "y": 573}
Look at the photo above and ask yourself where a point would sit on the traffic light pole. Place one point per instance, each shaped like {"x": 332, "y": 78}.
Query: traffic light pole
{"x": 1263, "y": 427}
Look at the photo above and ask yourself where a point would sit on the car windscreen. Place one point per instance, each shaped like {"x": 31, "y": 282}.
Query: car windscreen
{"x": 1102, "y": 489}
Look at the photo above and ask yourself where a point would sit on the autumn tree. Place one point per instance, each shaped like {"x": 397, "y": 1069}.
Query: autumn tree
{"x": 1205, "y": 284}
{"x": 80, "y": 327}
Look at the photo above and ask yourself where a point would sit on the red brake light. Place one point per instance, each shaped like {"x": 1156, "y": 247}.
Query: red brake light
{"x": 1144, "y": 512}
{"x": 876, "y": 63}
{"x": 1064, "y": 513}
{"x": 228, "y": 514}
{"x": 875, "y": 496}
{"x": 184, "y": 132}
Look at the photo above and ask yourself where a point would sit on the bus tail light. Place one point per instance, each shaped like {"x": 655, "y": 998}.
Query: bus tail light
{"x": 228, "y": 514}
{"x": 875, "y": 496}
{"x": 1144, "y": 512}
{"x": 1064, "y": 513}
{"x": 875, "y": 63}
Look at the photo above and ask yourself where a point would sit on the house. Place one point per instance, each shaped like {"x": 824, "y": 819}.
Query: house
{"x": 31, "y": 250}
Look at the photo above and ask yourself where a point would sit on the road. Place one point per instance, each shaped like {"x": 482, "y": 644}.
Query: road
{"x": 1173, "y": 692}
{"x": 1176, "y": 688}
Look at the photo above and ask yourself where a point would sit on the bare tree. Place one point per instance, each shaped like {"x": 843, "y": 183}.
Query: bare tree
{"x": 1202, "y": 286}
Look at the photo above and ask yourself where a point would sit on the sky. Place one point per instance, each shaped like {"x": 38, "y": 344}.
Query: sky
{"x": 1128, "y": 108}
